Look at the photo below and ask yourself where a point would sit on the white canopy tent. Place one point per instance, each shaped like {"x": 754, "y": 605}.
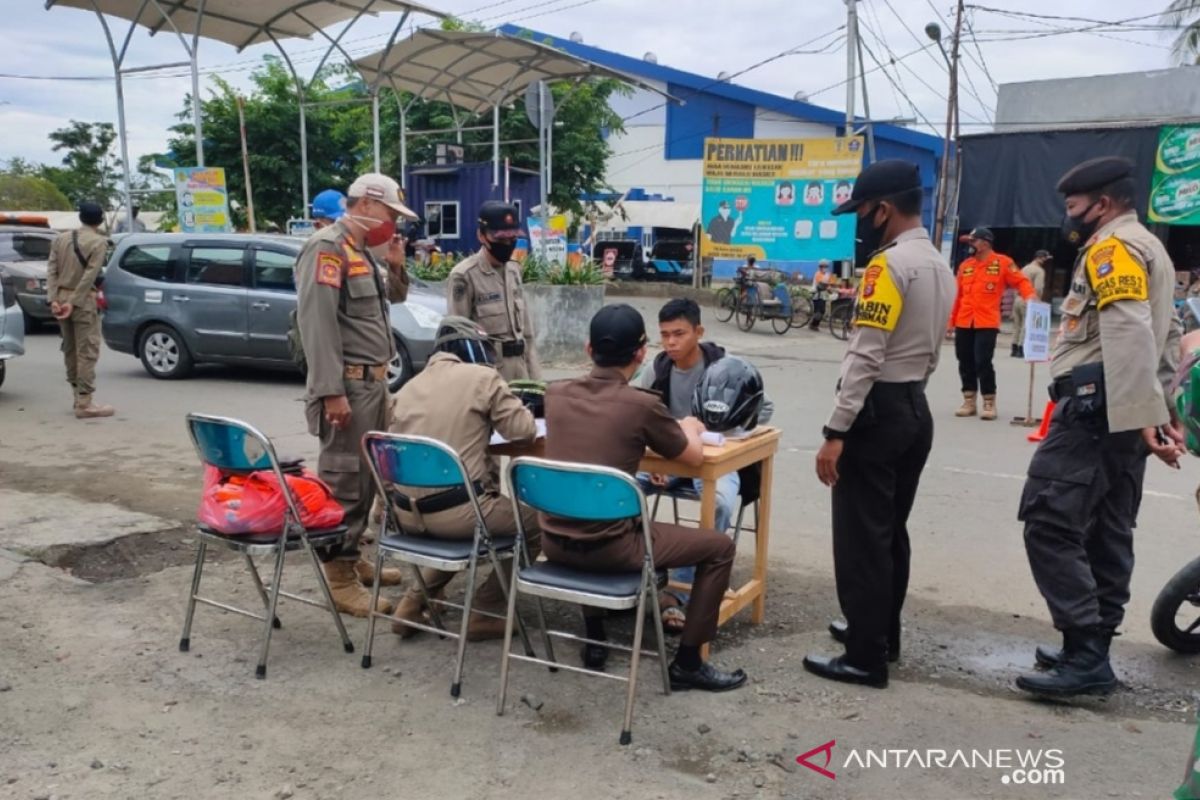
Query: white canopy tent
{"x": 240, "y": 23}
{"x": 474, "y": 72}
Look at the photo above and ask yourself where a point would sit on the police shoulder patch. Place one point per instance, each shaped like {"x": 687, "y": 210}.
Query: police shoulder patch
{"x": 879, "y": 300}
{"x": 460, "y": 288}
{"x": 1114, "y": 273}
{"x": 329, "y": 270}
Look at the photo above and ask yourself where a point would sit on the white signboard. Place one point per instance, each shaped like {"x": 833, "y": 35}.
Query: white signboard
{"x": 1037, "y": 331}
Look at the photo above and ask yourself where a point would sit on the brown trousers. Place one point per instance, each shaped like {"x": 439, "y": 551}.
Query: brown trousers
{"x": 81, "y": 349}
{"x": 341, "y": 464}
{"x": 674, "y": 546}
{"x": 459, "y": 523}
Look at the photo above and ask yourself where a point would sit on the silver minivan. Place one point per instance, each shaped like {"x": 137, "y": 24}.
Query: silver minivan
{"x": 176, "y": 300}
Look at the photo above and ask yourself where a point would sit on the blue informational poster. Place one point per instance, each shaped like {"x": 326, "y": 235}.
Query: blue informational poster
{"x": 202, "y": 199}
{"x": 773, "y": 199}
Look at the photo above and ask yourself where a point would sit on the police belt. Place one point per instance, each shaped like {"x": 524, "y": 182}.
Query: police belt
{"x": 513, "y": 349}
{"x": 442, "y": 501}
{"x": 371, "y": 373}
{"x": 1062, "y": 388}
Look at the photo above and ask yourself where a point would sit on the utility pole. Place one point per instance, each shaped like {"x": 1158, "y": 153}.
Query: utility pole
{"x": 952, "y": 130}
{"x": 246, "y": 164}
{"x": 851, "y": 70}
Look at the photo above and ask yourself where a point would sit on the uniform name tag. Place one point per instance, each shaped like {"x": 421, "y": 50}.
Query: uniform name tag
{"x": 879, "y": 301}
{"x": 1115, "y": 274}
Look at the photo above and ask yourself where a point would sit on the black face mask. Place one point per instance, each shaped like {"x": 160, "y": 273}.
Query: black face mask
{"x": 1075, "y": 230}
{"x": 501, "y": 250}
{"x": 869, "y": 236}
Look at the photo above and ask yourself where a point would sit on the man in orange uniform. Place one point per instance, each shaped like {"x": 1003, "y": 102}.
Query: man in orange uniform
{"x": 982, "y": 279}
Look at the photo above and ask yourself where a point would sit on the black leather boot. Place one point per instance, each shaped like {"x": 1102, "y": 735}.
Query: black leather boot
{"x": 840, "y": 632}
{"x": 1014, "y": 351}
{"x": 1048, "y": 657}
{"x": 1083, "y": 667}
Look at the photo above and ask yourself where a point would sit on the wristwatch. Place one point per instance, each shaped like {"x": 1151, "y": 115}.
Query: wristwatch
{"x": 830, "y": 433}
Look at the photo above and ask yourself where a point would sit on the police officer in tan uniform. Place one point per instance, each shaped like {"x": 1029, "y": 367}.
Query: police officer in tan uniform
{"x": 1115, "y": 351}
{"x": 880, "y": 432}
{"x": 342, "y": 316}
{"x": 460, "y": 399}
{"x": 486, "y": 288}
{"x": 76, "y": 259}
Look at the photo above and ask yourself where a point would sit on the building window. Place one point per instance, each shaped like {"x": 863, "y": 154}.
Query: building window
{"x": 441, "y": 220}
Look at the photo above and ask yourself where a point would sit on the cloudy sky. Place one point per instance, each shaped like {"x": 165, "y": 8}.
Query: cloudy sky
{"x": 42, "y": 49}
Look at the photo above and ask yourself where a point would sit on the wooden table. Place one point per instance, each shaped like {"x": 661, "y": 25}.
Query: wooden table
{"x": 718, "y": 461}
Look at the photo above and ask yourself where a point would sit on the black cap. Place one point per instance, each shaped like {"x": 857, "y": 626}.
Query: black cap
{"x": 498, "y": 217}
{"x": 91, "y": 213}
{"x": 1094, "y": 174}
{"x": 981, "y": 232}
{"x": 616, "y": 333}
{"x": 1043, "y": 254}
{"x": 881, "y": 180}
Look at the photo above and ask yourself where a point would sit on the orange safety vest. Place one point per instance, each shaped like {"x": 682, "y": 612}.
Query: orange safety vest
{"x": 981, "y": 285}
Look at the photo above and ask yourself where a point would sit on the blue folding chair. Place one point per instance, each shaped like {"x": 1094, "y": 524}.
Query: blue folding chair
{"x": 592, "y": 494}
{"x": 233, "y": 446}
{"x": 399, "y": 461}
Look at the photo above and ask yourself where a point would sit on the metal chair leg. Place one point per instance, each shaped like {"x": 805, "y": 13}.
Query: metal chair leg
{"x": 654, "y": 511}
{"x": 509, "y": 616}
{"x": 434, "y": 616}
{"x": 634, "y": 657}
{"x": 500, "y": 579}
{"x": 347, "y": 645}
{"x": 675, "y": 507}
{"x": 369, "y": 645}
{"x": 261, "y": 670}
{"x": 456, "y": 684}
{"x": 661, "y": 639}
{"x": 185, "y": 641}
{"x": 258, "y": 585}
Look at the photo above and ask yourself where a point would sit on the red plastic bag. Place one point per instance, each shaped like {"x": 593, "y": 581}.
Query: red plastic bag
{"x": 255, "y": 503}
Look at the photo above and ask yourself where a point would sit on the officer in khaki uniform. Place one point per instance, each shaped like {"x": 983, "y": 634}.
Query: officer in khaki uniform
{"x": 459, "y": 399}
{"x": 880, "y": 432}
{"x": 342, "y": 316}
{"x": 76, "y": 259}
{"x": 1115, "y": 351}
{"x": 486, "y": 288}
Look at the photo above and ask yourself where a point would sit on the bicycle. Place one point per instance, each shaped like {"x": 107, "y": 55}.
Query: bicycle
{"x": 745, "y": 303}
{"x": 802, "y": 305}
{"x": 841, "y": 317}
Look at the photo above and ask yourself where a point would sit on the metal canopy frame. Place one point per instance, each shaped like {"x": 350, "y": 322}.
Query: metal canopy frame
{"x": 240, "y": 23}
{"x": 474, "y": 72}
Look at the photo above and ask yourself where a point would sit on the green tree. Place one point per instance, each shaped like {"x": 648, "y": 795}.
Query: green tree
{"x": 1184, "y": 14}
{"x": 30, "y": 193}
{"x": 90, "y": 170}
{"x": 273, "y": 139}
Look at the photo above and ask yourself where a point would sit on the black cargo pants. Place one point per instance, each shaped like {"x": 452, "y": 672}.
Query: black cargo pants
{"x": 1079, "y": 506}
{"x": 878, "y": 474}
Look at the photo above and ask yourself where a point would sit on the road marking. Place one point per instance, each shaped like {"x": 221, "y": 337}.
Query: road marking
{"x": 1008, "y": 476}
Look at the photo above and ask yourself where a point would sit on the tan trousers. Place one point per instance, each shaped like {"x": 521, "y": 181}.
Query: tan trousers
{"x": 1018, "y": 312}
{"x": 459, "y": 523}
{"x": 81, "y": 349}
{"x": 341, "y": 464}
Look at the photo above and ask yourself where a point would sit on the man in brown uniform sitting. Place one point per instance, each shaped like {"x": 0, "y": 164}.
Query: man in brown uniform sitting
{"x": 459, "y": 399}
{"x": 601, "y": 419}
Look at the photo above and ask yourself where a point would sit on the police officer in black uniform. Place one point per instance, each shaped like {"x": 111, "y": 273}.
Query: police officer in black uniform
{"x": 1115, "y": 351}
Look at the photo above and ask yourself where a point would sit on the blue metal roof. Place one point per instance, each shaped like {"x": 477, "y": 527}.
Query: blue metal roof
{"x": 730, "y": 91}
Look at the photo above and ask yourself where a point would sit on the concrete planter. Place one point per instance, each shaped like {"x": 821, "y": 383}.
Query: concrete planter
{"x": 560, "y": 316}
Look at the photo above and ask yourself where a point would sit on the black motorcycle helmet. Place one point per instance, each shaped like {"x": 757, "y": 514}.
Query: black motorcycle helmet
{"x": 464, "y": 338}
{"x": 729, "y": 396}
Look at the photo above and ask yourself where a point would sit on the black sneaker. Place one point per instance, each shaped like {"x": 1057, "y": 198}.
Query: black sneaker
{"x": 594, "y": 657}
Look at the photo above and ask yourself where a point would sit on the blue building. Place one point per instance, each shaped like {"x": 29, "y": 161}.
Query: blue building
{"x": 448, "y": 197}
{"x": 661, "y": 149}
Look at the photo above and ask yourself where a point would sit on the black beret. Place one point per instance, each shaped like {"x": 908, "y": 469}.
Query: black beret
{"x": 617, "y": 332}
{"x": 498, "y": 217}
{"x": 1093, "y": 174}
{"x": 91, "y": 213}
{"x": 880, "y": 180}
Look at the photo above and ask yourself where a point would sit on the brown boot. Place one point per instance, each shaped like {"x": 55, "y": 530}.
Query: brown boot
{"x": 389, "y": 576}
{"x": 89, "y": 410}
{"x": 350, "y": 596}
{"x": 967, "y": 409}
{"x": 482, "y": 628}
{"x": 412, "y": 609}
{"x": 989, "y": 407}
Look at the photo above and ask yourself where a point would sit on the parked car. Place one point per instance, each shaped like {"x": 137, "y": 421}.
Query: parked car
{"x": 176, "y": 300}
{"x": 12, "y": 323}
{"x": 25, "y": 241}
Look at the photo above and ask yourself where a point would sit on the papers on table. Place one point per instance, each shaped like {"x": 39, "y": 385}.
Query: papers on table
{"x": 541, "y": 433}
